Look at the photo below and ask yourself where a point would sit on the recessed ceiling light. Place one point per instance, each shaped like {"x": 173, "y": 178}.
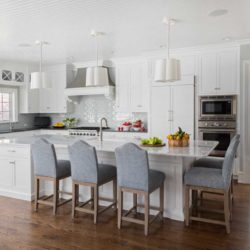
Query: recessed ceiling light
{"x": 163, "y": 46}
{"x": 24, "y": 45}
{"x": 218, "y": 12}
{"x": 226, "y": 39}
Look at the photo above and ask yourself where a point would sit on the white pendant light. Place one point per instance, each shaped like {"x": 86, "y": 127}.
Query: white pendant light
{"x": 40, "y": 79}
{"x": 167, "y": 70}
{"x": 98, "y": 75}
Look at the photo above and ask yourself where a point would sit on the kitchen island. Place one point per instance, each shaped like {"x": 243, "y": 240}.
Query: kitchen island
{"x": 17, "y": 169}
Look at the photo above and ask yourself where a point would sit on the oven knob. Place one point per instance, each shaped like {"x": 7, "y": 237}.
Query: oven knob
{"x": 205, "y": 124}
{"x": 216, "y": 124}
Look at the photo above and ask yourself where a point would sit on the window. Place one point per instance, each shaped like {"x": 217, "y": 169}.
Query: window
{"x": 8, "y": 105}
{"x": 6, "y": 75}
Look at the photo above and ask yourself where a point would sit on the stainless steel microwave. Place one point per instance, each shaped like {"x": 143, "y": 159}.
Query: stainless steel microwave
{"x": 217, "y": 107}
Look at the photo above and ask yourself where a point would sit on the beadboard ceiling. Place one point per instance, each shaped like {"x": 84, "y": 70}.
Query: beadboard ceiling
{"x": 131, "y": 26}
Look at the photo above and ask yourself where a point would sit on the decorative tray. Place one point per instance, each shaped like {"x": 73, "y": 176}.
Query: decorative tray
{"x": 153, "y": 146}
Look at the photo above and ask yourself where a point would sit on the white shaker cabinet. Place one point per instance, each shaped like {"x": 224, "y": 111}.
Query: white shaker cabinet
{"x": 15, "y": 178}
{"x": 182, "y": 115}
{"x": 132, "y": 87}
{"x": 28, "y": 98}
{"x": 172, "y": 106}
{"x": 160, "y": 110}
{"x": 123, "y": 78}
{"x": 219, "y": 72}
{"x": 53, "y": 100}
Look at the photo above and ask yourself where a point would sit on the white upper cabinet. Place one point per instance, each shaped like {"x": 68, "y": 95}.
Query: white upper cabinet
{"x": 123, "y": 79}
{"x": 228, "y": 72}
{"x": 219, "y": 72}
{"x": 208, "y": 74}
{"x": 28, "y": 98}
{"x": 132, "y": 87}
{"x": 53, "y": 100}
{"x": 50, "y": 100}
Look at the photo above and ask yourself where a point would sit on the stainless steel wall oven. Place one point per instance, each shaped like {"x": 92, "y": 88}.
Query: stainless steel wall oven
{"x": 217, "y": 121}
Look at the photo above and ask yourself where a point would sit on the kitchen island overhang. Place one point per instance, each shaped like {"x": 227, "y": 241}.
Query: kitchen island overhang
{"x": 171, "y": 161}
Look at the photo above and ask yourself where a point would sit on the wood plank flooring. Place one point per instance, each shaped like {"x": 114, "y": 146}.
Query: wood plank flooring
{"x": 21, "y": 228}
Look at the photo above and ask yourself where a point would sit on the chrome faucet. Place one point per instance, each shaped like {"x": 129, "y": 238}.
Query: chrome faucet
{"x": 106, "y": 122}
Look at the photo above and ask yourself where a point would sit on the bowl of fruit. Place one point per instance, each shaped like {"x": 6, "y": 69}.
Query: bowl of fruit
{"x": 59, "y": 125}
{"x": 126, "y": 126}
{"x": 179, "y": 139}
{"x": 152, "y": 142}
{"x": 137, "y": 125}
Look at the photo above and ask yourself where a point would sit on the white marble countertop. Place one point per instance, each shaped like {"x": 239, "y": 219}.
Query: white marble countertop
{"x": 195, "y": 149}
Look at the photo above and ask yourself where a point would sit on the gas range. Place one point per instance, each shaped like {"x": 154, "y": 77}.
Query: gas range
{"x": 85, "y": 131}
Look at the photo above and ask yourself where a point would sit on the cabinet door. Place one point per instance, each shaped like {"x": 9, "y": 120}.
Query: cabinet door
{"x": 123, "y": 80}
{"x": 22, "y": 175}
{"x": 160, "y": 112}
{"x": 182, "y": 100}
{"x": 227, "y": 72}
{"x": 6, "y": 176}
{"x": 208, "y": 77}
{"x": 139, "y": 88}
{"x": 45, "y": 100}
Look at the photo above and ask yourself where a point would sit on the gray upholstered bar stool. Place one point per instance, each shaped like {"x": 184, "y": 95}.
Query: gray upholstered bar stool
{"x": 86, "y": 171}
{"x": 212, "y": 180}
{"x": 217, "y": 163}
{"x": 134, "y": 176}
{"x": 48, "y": 168}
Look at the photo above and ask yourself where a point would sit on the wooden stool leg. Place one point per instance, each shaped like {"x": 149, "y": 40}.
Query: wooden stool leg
{"x": 135, "y": 202}
{"x": 230, "y": 204}
{"x": 162, "y": 200}
{"x": 187, "y": 206}
{"x": 92, "y": 195}
{"x": 232, "y": 190}
{"x": 115, "y": 193}
{"x": 37, "y": 185}
{"x": 226, "y": 210}
{"x": 95, "y": 204}
{"x": 74, "y": 199}
{"x": 146, "y": 213}
{"x": 56, "y": 193}
{"x": 120, "y": 207}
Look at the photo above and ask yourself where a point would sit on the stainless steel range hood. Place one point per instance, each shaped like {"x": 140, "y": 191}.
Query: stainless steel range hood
{"x": 78, "y": 87}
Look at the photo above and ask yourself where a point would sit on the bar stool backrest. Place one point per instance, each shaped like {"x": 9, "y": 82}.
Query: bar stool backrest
{"x": 228, "y": 162}
{"x": 44, "y": 158}
{"x": 84, "y": 163}
{"x": 132, "y": 167}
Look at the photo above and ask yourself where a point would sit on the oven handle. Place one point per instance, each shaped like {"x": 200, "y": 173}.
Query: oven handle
{"x": 217, "y": 130}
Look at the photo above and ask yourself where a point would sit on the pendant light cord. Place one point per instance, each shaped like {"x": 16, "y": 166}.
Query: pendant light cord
{"x": 41, "y": 56}
{"x": 168, "y": 39}
{"x": 97, "y": 51}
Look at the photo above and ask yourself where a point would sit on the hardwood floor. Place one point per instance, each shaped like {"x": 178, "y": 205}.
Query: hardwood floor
{"x": 21, "y": 228}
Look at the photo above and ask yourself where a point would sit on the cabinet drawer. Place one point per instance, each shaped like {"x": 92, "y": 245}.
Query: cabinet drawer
{"x": 20, "y": 152}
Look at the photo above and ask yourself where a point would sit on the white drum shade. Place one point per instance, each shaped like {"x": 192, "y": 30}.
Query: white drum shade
{"x": 167, "y": 70}
{"x": 90, "y": 77}
{"x": 101, "y": 76}
{"x": 39, "y": 80}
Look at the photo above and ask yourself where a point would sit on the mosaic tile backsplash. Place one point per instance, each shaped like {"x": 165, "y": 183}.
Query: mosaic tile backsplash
{"x": 91, "y": 109}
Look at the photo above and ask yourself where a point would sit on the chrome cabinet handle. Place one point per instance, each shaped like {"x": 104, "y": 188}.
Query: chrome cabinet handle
{"x": 12, "y": 151}
{"x": 139, "y": 106}
{"x": 12, "y": 162}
